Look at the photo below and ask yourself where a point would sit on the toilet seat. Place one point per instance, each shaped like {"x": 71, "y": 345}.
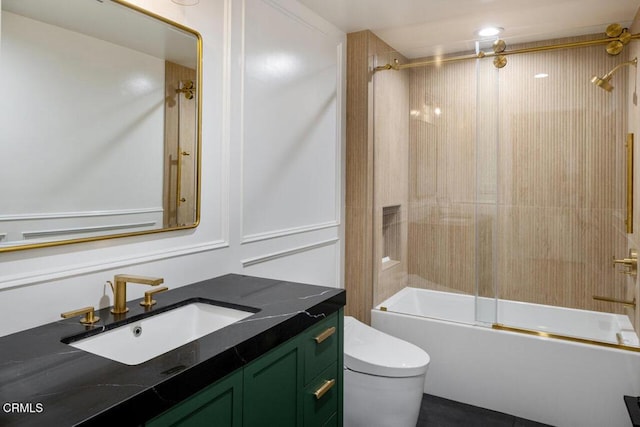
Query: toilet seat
{"x": 369, "y": 351}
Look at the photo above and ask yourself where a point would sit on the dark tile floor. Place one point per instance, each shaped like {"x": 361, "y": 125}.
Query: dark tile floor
{"x": 438, "y": 412}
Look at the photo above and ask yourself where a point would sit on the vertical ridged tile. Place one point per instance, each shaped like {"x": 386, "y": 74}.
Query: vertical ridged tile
{"x": 359, "y": 181}
{"x": 376, "y": 175}
{"x": 555, "y": 217}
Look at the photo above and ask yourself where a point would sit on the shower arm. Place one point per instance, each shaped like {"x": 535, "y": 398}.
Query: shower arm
{"x": 633, "y": 62}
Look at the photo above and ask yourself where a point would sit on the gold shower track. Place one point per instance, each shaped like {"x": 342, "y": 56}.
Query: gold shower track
{"x": 481, "y": 55}
{"x": 501, "y": 327}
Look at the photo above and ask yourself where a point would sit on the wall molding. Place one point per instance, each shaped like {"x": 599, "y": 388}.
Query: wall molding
{"x": 258, "y": 237}
{"x": 31, "y": 278}
{"x": 79, "y": 214}
{"x": 341, "y": 136}
{"x": 340, "y": 44}
{"x": 225, "y": 133}
{"x": 31, "y": 227}
{"x": 77, "y": 230}
{"x": 241, "y": 114}
{"x": 289, "y": 252}
{"x": 290, "y": 14}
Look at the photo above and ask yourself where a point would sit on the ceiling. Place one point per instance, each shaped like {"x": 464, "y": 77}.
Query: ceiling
{"x": 419, "y": 28}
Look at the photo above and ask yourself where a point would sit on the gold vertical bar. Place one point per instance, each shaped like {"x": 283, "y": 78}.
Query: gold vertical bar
{"x": 629, "y": 220}
{"x": 179, "y": 180}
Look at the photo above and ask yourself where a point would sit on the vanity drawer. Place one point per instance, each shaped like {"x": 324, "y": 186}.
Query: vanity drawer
{"x": 321, "y": 398}
{"x": 321, "y": 347}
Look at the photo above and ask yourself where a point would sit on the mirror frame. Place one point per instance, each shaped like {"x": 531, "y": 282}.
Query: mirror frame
{"x": 198, "y": 145}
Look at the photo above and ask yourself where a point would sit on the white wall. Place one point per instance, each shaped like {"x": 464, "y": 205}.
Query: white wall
{"x": 271, "y": 170}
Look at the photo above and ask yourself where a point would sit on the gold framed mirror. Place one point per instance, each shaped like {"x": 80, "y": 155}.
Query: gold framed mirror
{"x": 100, "y": 123}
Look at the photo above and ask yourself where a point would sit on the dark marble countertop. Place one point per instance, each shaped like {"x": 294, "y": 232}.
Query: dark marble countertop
{"x": 51, "y": 383}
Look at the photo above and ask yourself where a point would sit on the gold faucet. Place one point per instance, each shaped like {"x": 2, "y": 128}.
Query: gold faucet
{"x": 120, "y": 289}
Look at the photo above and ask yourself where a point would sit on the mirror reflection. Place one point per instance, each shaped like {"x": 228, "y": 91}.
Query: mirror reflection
{"x": 99, "y": 122}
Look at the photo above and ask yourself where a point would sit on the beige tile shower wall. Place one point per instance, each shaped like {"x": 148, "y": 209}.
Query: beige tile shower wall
{"x": 442, "y": 218}
{"x": 376, "y": 171}
{"x": 561, "y": 186}
{"x": 359, "y": 176}
{"x": 391, "y": 156}
{"x": 558, "y": 161}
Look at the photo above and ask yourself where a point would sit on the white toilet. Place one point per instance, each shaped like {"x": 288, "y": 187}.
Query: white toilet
{"x": 383, "y": 378}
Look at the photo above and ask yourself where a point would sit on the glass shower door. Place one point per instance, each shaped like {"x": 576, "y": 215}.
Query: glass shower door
{"x": 560, "y": 195}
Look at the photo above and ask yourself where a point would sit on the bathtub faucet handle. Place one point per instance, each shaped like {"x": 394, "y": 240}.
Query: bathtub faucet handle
{"x": 631, "y": 263}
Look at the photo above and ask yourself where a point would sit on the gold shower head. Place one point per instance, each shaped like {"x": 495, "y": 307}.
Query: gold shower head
{"x": 604, "y": 81}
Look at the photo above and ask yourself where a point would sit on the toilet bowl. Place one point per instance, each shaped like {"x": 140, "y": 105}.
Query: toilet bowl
{"x": 383, "y": 378}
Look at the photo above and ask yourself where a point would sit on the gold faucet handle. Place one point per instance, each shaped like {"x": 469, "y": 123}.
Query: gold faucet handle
{"x": 625, "y": 261}
{"x": 89, "y": 319}
{"x": 631, "y": 263}
{"x": 148, "y": 301}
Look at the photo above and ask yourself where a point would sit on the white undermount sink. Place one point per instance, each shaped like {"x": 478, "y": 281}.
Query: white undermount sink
{"x": 144, "y": 339}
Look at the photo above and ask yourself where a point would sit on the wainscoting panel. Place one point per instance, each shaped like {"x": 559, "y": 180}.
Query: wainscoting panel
{"x": 291, "y": 129}
{"x": 308, "y": 263}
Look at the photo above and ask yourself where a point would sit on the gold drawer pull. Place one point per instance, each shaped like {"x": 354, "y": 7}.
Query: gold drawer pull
{"x": 324, "y": 388}
{"x": 326, "y": 334}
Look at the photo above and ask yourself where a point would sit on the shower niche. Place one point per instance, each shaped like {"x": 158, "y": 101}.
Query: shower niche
{"x": 391, "y": 236}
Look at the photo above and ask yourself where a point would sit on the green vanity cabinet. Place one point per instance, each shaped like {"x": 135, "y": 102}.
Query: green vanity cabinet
{"x": 271, "y": 388}
{"x": 298, "y": 383}
{"x": 218, "y": 405}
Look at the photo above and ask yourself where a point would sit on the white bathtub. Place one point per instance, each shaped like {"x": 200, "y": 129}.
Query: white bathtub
{"x": 562, "y": 383}
{"x": 585, "y": 324}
